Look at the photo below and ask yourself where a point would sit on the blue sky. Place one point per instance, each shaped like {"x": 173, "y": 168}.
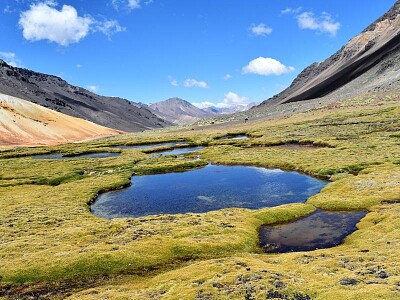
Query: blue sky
{"x": 210, "y": 51}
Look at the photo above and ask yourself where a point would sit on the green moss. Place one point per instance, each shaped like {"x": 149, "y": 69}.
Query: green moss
{"x": 45, "y": 212}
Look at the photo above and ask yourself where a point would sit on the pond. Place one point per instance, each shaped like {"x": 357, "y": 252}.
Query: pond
{"x": 87, "y": 155}
{"x": 149, "y": 146}
{"x": 177, "y": 151}
{"x": 210, "y": 188}
{"x": 321, "y": 229}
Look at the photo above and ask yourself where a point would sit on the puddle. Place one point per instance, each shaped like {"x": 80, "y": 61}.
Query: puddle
{"x": 87, "y": 155}
{"x": 319, "y": 230}
{"x": 177, "y": 151}
{"x": 206, "y": 189}
{"x": 234, "y": 137}
{"x": 149, "y": 146}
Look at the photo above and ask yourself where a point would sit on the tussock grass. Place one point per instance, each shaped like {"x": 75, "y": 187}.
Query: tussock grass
{"x": 48, "y": 234}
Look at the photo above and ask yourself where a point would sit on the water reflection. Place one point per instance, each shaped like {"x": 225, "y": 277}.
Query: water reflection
{"x": 87, "y": 155}
{"x": 321, "y": 229}
{"x": 202, "y": 190}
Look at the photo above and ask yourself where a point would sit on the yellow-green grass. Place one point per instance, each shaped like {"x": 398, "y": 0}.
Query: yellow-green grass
{"x": 48, "y": 235}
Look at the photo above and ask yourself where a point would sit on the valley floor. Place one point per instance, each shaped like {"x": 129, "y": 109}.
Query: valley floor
{"x": 52, "y": 247}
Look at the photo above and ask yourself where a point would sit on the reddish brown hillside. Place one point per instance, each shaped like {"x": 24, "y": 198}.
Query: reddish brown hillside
{"x": 25, "y": 123}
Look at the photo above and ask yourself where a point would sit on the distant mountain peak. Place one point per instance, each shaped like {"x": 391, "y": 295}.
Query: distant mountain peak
{"x": 179, "y": 111}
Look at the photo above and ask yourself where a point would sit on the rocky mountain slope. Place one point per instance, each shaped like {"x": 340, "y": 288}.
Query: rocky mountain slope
{"x": 25, "y": 123}
{"x": 178, "y": 111}
{"x": 56, "y": 94}
{"x": 348, "y": 69}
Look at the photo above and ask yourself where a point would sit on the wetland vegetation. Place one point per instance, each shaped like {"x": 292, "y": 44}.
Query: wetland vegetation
{"x": 52, "y": 246}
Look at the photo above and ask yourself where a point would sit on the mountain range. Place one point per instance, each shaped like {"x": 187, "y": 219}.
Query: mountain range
{"x": 55, "y": 93}
{"x": 369, "y": 62}
{"x": 180, "y": 112}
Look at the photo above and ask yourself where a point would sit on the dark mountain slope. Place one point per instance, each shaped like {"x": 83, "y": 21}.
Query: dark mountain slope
{"x": 379, "y": 41}
{"x": 55, "y": 93}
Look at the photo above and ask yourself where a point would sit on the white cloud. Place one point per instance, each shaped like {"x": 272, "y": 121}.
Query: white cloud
{"x": 227, "y": 76}
{"x": 173, "y": 81}
{"x": 128, "y": 4}
{"x": 307, "y": 20}
{"x": 108, "y": 27}
{"x": 78, "y": 66}
{"x": 93, "y": 88}
{"x": 11, "y": 59}
{"x": 290, "y": 10}
{"x": 324, "y": 23}
{"x": 231, "y": 99}
{"x": 133, "y": 4}
{"x": 43, "y": 21}
{"x": 266, "y": 66}
{"x": 195, "y": 83}
{"x": 260, "y": 30}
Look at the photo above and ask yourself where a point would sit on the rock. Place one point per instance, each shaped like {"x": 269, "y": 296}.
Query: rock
{"x": 279, "y": 284}
{"x": 382, "y": 274}
{"x": 348, "y": 281}
{"x": 271, "y": 294}
{"x": 299, "y": 296}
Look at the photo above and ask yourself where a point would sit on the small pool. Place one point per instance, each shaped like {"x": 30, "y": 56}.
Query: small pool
{"x": 319, "y": 230}
{"x": 177, "y": 151}
{"x": 149, "y": 146}
{"x": 87, "y": 155}
{"x": 235, "y": 137}
{"x": 210, "y": 188}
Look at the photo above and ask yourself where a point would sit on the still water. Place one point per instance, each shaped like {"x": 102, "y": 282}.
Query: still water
{"x": 177, "y": 151}
{"x": 210, "y": 188}
{"x": 88, "y": 155}
{"x": 149, "y": 146}
{"x": 321, "y": 229}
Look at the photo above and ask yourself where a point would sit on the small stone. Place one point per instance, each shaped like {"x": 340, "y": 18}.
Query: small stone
{"x": 279, "y": 284}
{"x": 382, "y": 274}
{"x": 217, "y": 285}
{"x": 348, "y": 281}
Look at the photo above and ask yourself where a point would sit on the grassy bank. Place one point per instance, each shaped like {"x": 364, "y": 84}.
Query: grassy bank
{"x": 50, "y": 238}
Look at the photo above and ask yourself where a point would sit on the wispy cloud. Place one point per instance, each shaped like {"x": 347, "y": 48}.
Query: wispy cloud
{"x": 93, "y": 88}
{"x": 173, "y": 81}
{"x": 11, "y": 59}
{"x": 227, "y": 76}
{"x": 323, "y": 23}
{"x": 266, "y": 66}
{"x": 43, "y": 21}
{"x": 129, "y": 4}
{"x": 190, "y": 82}
{"x": 260, "y": 30}
{"x": 290, "y": 10}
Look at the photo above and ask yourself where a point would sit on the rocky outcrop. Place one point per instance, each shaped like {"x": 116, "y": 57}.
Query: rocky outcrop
{"x": 377, "y": 44}
{"x": 55, "y": 93}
